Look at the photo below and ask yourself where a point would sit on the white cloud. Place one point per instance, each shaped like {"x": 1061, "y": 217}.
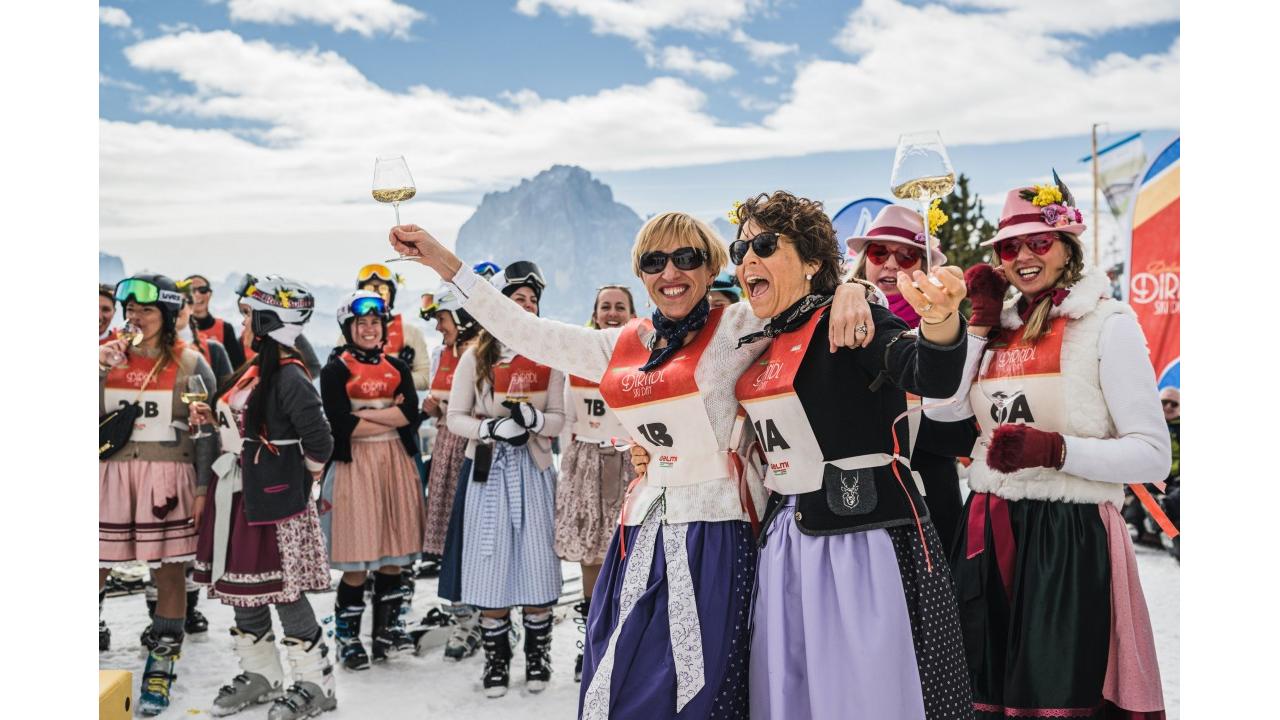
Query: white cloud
{"x": 319, "y": 122}
{"x": 364, "y": 17}
{"x": 638, "y": 19}
{"x": 762, "y": 52}
{"x": 108, "y": 81}
{"x": 752, "y": 103}
{"x": 684, "y": 60}
{"x": 113, "y": 17}
{"x": 1088, "y": 17}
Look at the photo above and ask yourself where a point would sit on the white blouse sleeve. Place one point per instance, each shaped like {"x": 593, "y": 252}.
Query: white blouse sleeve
{"x": 957, "y": 407}
{"x": 582, "y": 351}
{"x": 1141, "y": 451}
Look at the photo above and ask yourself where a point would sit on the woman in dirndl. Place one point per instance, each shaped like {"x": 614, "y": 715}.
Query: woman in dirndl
{"x": 667, "y": 631}
{"x": 596, "y": 469}
{"x": 448, "y": 452}
{"x": 372, "y": 490}
{"x": 509, "y": 408}
{"x": 146, "y": 487}
{"x": 1055, "y": 622}
{"x": 260, "y": 541}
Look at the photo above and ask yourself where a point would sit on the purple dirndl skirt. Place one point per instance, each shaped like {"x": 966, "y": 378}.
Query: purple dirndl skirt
{"x": 855, "y": 625}
{"x": 642, "y": 677}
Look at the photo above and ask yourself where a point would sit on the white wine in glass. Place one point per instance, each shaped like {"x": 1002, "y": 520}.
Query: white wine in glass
{"x": 922, "y": 172}
{"x": 392, "y": 183}
{"x": 196, "y": 391}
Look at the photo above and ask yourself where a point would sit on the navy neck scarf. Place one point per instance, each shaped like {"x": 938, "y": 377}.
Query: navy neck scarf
{"x": 674, "y": 332}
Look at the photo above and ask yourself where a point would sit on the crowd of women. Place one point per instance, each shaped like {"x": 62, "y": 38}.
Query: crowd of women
{"x": 762, "y": 494}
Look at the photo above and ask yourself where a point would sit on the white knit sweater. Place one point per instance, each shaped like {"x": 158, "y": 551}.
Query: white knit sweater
{"x": 1116, "y": 432}
{"x": 585, "y": 352}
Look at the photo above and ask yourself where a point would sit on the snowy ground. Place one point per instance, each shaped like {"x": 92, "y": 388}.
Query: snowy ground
{"x": 428, "y": 686}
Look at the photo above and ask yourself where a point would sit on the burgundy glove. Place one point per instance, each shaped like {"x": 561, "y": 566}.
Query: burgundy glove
{"x": 986, "y": 293}
{"x": 1015, "y": 447}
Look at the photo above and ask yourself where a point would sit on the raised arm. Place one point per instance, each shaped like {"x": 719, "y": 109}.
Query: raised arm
{"x": 578, "y": 350}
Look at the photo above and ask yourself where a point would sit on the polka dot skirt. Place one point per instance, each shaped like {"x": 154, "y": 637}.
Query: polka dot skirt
{"x": 732, "y": 700}
{"x": 935, "y": 624}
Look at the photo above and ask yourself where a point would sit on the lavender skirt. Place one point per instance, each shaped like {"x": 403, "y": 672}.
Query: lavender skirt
{"x": 855, "y": 626}
{"x": 643, "y": 673}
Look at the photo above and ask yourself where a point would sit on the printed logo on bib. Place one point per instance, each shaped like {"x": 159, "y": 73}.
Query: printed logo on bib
{"x": 767, "y": 392}
{"x": 521, "y": 380}
{"x": 593, "y": 421}
{"x": 1021, "y": 382}
{"x": 371, "y": 386}
{"x": 156, "y": 402}
{"x": 663, "y": 408}
{"x": 442, "y": 380}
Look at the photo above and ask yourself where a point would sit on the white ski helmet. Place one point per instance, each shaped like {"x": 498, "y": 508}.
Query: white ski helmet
{"x": 357, "y": 304}
{"x": 280, "y": 305}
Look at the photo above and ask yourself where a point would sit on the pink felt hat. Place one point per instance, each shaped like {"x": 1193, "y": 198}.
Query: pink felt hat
{"x": 1021, "y": 216}
{"x": 898, "y": 225}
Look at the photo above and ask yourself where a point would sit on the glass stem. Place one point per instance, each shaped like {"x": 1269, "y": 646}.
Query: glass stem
{"x": 927, "y": 262}
{"x": 396, "y": 206}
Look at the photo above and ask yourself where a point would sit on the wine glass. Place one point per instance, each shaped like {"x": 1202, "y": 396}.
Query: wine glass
{"x": 131, "y": 335}
{"x": 393, "y": 184}
{"x": 922, "y": 172}
{"x": 518, "y": 389}
{"x": 196, "y": 391}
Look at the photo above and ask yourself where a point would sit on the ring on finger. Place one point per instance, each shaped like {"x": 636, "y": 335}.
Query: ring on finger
{"x": 861, "y": 329}
{"x": 926, "y": 308}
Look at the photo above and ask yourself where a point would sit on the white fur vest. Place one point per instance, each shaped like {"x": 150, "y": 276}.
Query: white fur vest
{"x": 1086, "y": 408}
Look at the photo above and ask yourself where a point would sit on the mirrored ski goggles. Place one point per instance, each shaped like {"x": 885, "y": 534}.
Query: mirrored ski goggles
{"x": 523, "y": 271}
{"x": 685, "y": 258}
{"x": 375, "y": 270}
{"x": 145, "y": 292}
{"x": 368, "y": 306}
{"x": 486, "y": 269}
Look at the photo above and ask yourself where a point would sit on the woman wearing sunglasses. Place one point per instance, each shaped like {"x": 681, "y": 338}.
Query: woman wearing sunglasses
{"x": 895, "y": 243}
{"x": 147, "y": 488}
{"x": 1055, "y": 623}
{"x": 853, "y": 612}
{"x": 213, "y": 351}
{"x": 377, "y": 516}
{"x": 667, "y": 628}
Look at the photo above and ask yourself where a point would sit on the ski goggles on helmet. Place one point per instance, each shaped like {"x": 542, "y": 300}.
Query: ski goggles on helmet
{"x": 145, "y": 292}
{"x": 486, "y": 269}
{"x": 362, "y": 306}
{"x": 246, "y": 284}
{"x": 685, "y": 258}
{"x": 375, "y": 270}
{"x": 523, "y": 272}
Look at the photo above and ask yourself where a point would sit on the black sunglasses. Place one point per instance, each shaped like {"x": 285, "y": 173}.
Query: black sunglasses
{"x": 685, "y": 258}
{"x": 1170, "y": 403}
{"x": 765, "y": 244}
{"x": 203, "y": 290}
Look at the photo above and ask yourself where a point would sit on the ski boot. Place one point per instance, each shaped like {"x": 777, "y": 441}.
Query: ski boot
{"x": 104, "y": 632}
{"x": 389, "y": 637}
{"x": 429, "y": 567}
{"x": 313, "y": 688}
{"x": 537, "y": 650}
{"x": 580, "y": 620}
{"x": 196, "y": 623}
{"x": 496, "y": 634}
{"x": 261, "y": 677}
{"x": 146, "y": 639}
{"x": 346, "y": 626}
{"x": 465, "y": 639}
{"x": 432, "y": 631}
{"x": 158, "y": 677}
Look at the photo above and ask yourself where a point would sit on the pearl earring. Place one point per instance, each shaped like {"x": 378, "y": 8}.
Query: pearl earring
{"x": 808, "y": 276}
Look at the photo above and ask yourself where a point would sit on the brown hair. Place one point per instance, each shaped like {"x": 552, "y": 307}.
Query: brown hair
{"x": 684, "y": 227}
{"x": 806, "y": 225}
{"x": 1038, "y": 322}
{"x": 488, "y": 350}
{"x": 625, "y": 290}
{"x": 108, "y": 292}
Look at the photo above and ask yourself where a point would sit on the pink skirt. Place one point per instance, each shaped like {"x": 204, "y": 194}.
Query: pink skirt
{"x": 377, "y": 513}
{"x": 593, "y": 482}
{"x": 145, "y": 512}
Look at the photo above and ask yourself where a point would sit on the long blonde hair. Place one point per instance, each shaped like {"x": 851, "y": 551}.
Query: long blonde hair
{"x": 1038, "y": 322}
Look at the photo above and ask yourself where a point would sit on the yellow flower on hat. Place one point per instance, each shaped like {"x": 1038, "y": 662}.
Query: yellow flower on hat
{"x": 937, "y": 218}
{"x": 733, "y": 214}
{"x": 1046, "y": 195}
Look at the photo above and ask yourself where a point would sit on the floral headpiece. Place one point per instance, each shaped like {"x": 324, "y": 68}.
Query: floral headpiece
{"x": 733, "y": 213}
{"x": 937, "y": 218}
{"x": 1057, "y": 205}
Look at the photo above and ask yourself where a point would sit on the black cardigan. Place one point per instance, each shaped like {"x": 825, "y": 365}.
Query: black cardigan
{"x": 850, "y": 398}
{"x": 337, "y": 406}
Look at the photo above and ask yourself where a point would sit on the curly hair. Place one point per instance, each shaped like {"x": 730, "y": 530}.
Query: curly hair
{"x": 806, "y": 225}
